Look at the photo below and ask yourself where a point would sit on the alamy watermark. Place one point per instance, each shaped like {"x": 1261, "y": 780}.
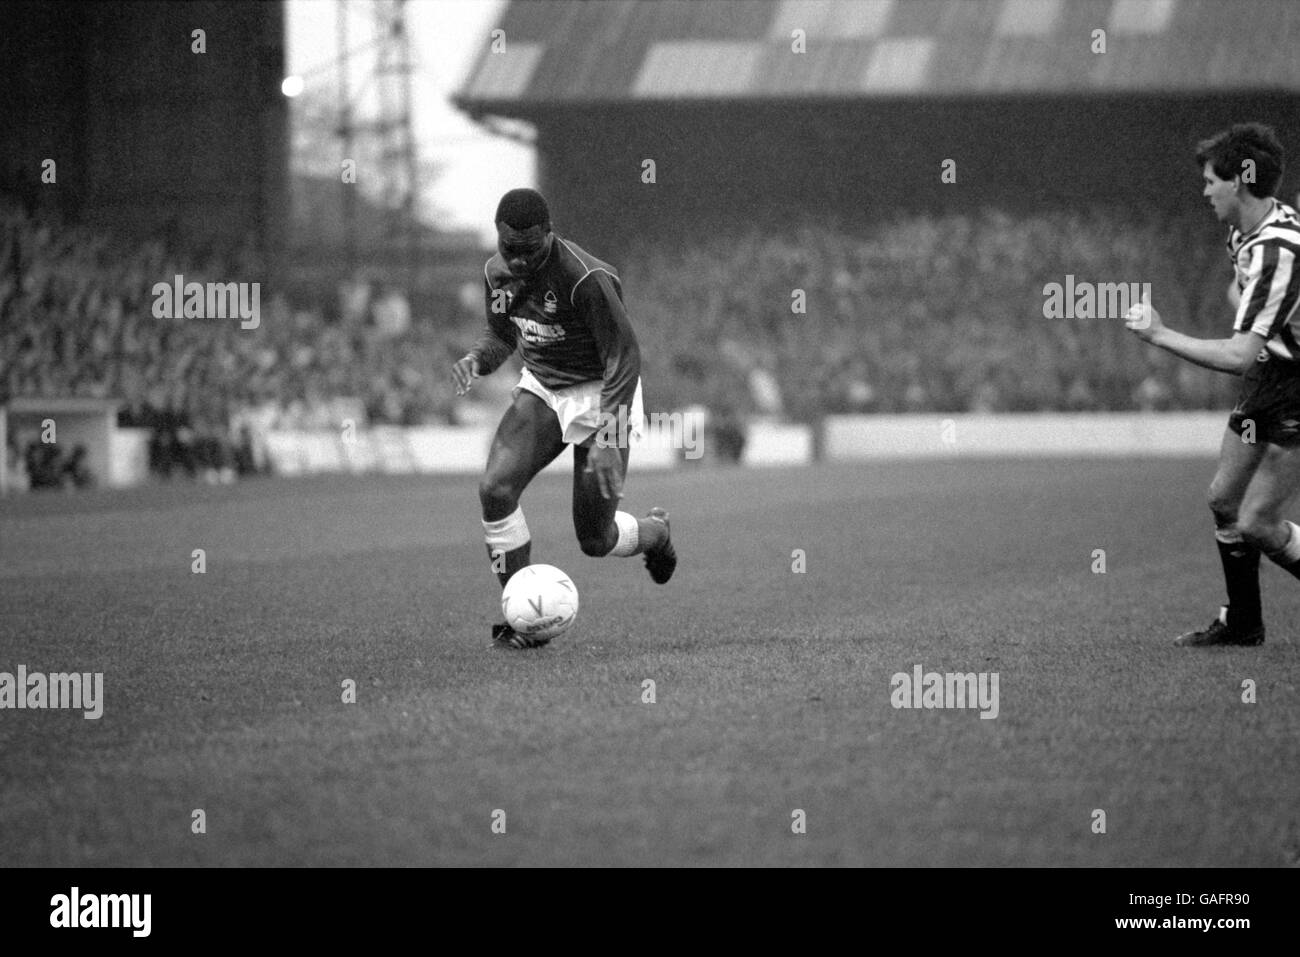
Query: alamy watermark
{"x": 76, "y": 909}
{"x": 1088, "y": 300}
{"x": 930, "y": 689}
{"x": 77, "y": 691}
{"x": 684, "y": 429}
{"x": 214, "y": 300}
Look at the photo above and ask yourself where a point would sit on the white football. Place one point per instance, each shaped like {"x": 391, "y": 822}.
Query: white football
{"x": 539, "y": 601}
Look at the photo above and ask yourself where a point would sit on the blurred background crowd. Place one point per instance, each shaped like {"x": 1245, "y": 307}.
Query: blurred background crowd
{"x": 929, "y": 314}
{"x": 808, "y": 250}
{"x": 924, "y": 314}
{"x": 76, "y": 319}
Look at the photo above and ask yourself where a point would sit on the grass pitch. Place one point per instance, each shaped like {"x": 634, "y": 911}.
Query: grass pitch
{"x": 772, "y": 687}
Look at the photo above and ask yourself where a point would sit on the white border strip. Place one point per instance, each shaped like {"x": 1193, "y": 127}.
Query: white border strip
{"x": 1023, "y": 436}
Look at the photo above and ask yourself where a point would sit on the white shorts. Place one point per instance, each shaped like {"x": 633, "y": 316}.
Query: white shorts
{"x": 578, "y": 407}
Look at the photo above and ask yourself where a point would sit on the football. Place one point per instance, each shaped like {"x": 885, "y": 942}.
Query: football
{"x": 539, "y": 601}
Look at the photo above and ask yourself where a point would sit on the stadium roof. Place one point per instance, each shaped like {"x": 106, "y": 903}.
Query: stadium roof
{"x": 560, "y": 52}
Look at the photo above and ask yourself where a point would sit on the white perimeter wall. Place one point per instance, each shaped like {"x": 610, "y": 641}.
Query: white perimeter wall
{"x": 439, "y": 449}
{"x": 463, "y": 450}
{"x": 1023, "y": 436}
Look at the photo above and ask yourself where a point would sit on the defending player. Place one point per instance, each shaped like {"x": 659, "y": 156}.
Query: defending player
{"x": 1259, "y": 461}
{"x": 564, "y": 309}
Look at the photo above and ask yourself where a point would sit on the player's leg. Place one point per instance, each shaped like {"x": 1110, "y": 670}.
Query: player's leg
{"x": 1272, "y": 489}
{"x": 526, "y": 441}
{"x": 1238, "y": 460}
{"x": 595, "y": 518}
{"x": 603, "y": 529}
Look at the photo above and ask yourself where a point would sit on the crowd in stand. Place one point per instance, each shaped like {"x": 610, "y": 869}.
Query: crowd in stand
{"x": 77, "y": 319}
{"x": 928, "y": 313}
{"x": 937, "y": 314}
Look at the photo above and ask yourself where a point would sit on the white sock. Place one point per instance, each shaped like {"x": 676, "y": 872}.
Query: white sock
{"x": 628, "y": 534}
{"x": 506, "y": 534}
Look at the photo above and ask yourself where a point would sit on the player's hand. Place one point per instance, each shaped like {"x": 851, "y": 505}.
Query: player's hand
{"x": 465, "y": 372}
{"x": 1143, "y": 321}
{"x": 606, "y": 464}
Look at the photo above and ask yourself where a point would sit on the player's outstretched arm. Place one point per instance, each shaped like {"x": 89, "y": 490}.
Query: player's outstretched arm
{"x": 1233, "y": 355}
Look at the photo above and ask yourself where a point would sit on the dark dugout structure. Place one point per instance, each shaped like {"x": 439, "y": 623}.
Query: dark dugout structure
{"x": 149, "y": 137}
{"x": 757, "y": 111}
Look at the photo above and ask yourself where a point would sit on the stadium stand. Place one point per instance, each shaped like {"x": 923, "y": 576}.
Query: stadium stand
{"x": 927, "y": 314}
{"x": 76, "y": 321}
{"x": 920, "y": 295}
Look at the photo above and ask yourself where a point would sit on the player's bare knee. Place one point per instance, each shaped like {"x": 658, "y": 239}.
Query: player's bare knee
{"x": 1223, "y": 507}
{"x": 498, "y": 497}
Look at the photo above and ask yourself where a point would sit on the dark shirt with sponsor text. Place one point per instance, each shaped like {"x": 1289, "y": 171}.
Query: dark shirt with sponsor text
{"x": 568, "y": 321}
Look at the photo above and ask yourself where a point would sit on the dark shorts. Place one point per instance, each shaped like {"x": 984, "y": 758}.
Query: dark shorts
{"x": 1270, "y": 398}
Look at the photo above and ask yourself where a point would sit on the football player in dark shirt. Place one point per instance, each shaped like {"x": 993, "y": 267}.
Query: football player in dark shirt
{"x": 563, "y": 309}
{"x": 1259, "y": 459}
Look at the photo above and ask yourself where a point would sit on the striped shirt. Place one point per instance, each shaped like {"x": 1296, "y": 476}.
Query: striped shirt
{"x": 1267, "y": 262}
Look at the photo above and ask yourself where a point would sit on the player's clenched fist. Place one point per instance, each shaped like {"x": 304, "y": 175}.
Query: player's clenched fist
{"x": 1143, "y": 321}
{"x": 465, "y": 372}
